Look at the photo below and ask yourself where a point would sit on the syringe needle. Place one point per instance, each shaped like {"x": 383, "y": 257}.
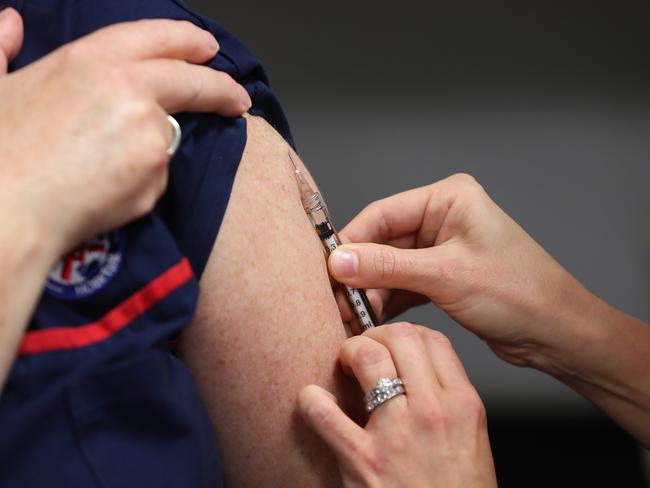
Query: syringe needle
{"x": 293, "y": 162}
{"x": 305, "y": 188}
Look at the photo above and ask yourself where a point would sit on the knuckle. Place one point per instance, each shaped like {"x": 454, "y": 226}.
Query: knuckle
{"x": 186, "y": 25}
{"x": 480, "y": 414}
{"x": 464, "y": 179}
{"x": 157, "y": 30}
{"x": 149, "y": 147}
{"x": 369, "y": 355}
{"x": 158, "y": 149}
{"x": 145, "y": 110}
{"x": 467, "y": 183}
{"x": 372, "y": 207}
{"x": 125, "y": 82}
{"x": 321, "y": 414}
{"x": 470, "y": 402}
{"x": 385, "y": 263}
{"x": 77, "y": 52}
{"x": 401, "y": 330}
{"x": 468, "y": 408}
{"x": 232, "y": 88}
{"x": 437, "y": 336}
{"x": 193, "y": 81}
{"x": 143, "y": 114}
{"x": 430, "y": 414}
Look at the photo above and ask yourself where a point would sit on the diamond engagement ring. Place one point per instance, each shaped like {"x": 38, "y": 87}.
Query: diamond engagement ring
{"x": 176, "y": 140}
{"x": 384, "y": 390}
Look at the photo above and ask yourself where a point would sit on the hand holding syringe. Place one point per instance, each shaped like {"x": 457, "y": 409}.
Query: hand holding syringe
{"x": 316, "y": 209}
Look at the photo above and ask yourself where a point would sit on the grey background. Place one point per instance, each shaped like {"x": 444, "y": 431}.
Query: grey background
{"x": 547, "y": 104}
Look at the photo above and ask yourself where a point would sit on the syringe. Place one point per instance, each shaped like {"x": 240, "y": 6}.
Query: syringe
{"x": 316, "y": 209}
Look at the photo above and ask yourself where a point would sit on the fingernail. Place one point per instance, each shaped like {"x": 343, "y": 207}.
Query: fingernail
{"x": 211, "y": 42}
{"x": 345, "y": 263}
{"x": 4, "y": 10}
{"x": 245, "y": 97}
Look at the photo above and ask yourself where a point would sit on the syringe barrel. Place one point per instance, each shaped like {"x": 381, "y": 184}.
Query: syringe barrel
{"x": 319, "y": 216}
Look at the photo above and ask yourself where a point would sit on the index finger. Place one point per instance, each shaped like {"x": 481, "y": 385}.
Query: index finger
{"x": 157, "y": 38}
{"x": 402, "y": 214}
{"x": 182, "y": 87}
{"x": 410, "y": 356}
{"x": 11, "y": 36}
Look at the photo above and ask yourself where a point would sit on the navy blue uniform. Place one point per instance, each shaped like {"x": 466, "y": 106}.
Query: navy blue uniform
{"x": 95, "y": 398}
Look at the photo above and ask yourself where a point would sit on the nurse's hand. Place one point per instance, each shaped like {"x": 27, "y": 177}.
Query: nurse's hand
{"x": 450, "y": 243}
{"x": 433, "y": 436}
{"x": 84, "y": 131}
{"x": 84, "y": 138}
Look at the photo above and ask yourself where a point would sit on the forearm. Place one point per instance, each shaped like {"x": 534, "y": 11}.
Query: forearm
{"x": 24, "y": 264}
{"x": 604, "y": 355}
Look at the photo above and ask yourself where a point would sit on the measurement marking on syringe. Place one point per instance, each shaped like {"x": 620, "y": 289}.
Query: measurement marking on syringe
{"x": 316, "y": 209}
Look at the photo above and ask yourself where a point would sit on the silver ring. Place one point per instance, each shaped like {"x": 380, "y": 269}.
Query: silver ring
{"x": 384, "y": 390}
{"x": 176, "y": 141}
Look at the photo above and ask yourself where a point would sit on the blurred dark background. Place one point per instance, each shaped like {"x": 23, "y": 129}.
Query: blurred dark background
{"x": 547, "y": 104}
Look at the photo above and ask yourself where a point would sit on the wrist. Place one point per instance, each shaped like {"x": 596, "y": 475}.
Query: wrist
{"x": 26, "y": 258}
{"x": 571, "y": 332}
{"x": 24, "y": 242}
{"x": 605, "y": 359}
{"x": 555, "y": 317}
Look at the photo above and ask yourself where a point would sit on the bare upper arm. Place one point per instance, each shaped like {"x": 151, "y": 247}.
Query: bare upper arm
{"x": 266, "y": 326}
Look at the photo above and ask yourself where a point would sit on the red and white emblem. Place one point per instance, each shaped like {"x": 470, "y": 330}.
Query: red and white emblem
{"x": 88, "y": 268}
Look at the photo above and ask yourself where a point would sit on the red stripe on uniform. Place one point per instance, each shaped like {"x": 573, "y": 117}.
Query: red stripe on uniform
{"x": 60, "y": 338}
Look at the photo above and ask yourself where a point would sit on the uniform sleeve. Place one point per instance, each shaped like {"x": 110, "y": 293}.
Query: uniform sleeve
{"x": 203, "y": 171}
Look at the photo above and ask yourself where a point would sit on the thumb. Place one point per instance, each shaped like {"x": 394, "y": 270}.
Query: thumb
{"x": 11, "y": 37}
{"x": 382, "y": 266}
{"x": 319, "y": 409}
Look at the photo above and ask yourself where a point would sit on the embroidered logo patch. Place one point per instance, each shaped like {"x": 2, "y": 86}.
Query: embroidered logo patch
{"x": 89, "y": 268}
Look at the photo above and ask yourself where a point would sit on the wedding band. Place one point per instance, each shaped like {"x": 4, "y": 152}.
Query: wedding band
{"x": 176, "y": 140}
{"x": 385, "y": 389}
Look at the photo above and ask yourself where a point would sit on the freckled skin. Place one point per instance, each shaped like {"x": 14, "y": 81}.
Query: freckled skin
{"x": 266, "y": 326}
